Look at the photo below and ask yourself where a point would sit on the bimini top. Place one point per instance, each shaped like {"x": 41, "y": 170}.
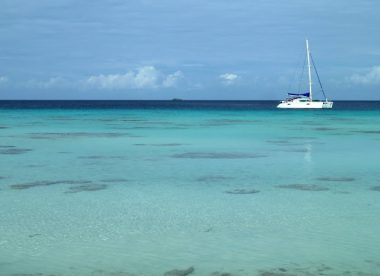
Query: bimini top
{"x": 301, "y": 95}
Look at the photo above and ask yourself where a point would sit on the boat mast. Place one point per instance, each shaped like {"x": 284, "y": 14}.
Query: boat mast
{"x": 309, "y": 68}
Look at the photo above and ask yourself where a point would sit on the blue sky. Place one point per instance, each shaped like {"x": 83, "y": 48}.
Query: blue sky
{"x": 194, "y": 49}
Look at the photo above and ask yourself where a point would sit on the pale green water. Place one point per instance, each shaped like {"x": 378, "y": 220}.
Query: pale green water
{"x": 145, "y": 191}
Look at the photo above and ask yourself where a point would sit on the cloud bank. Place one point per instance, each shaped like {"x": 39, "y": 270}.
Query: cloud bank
{"x": 372, "y": 77}
{"x": 147, "y": 77}
{"x": 229, "y": 78}
{"x": 173, "y": 79}
{"x": 3, "y": 79}
{"x": 53, "y": 82}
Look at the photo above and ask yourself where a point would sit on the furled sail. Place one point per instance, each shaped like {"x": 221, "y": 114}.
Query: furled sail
{"x": 307, "y": 94}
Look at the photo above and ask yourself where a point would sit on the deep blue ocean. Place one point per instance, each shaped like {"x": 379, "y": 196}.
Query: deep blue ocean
{"x": 189, "y": 188}
{"x": 165, "y": 104}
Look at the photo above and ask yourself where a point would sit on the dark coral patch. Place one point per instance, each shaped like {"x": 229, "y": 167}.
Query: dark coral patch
{"x": 28, "y": 185}
{"x": 101, "y": 272}
{"x": 238, "y": 121}
{"x": 179, "y": 272}
{"x": 31, "y": 274}
{"x": 336, "y": 179}
{"x": 217, "y": 273}
{"x": 224, "y": 122}
{"x": 101, "y": 157}
{"x": 62, "y": 118}
{"x": 342, "y": 192}
{"x": 299, "y": 150}
{"x": 14, "y": 151}
{"x": 275, "y": 273}
{"x": 217, "y": 155}
{"x": 86, "y": 188}
{"x": 242, "y": 191}
{"x": 278, "y": 142}
{"x": 296, "y": 270}
{"x": 213, "y": 178}
{"x": 375, "y": 188}
{"x": 134, "y": 120}
{"x": 167, "y": 145}
{"x": 368, "y": 131}
{"x": 301, "y": 138}
{"x": 341, "y": 119}
{"x": 59, "y": 135}
{"x": 161, "y": 145}
{"x": 34, "y": 235}
{"x": 325, "y": 128}
{"x": 114, "y": 180}
{"x": 303, "y": 187}
{"x": 35, "y": 166}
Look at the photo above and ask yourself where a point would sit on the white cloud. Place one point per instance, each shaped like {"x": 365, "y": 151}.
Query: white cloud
{"x": 172, "y": 80}
{"x": 113, "y": 81}
{"x": 229, "y": 78}
{"x": 146, "y": 77}
{"x": 3, "y": 79}
{"x": 49, "y": 83}
{"x": 143, "y": 77}
{"x": 371, "y": 77}
{"x": 193, "y": 65}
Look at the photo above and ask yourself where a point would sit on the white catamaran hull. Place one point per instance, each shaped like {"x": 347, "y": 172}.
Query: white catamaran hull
{"x": 305, "y": 100}
{"x": 305, "y": 105}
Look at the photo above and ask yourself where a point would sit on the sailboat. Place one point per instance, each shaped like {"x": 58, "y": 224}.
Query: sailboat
{"x": 305, "y": 100}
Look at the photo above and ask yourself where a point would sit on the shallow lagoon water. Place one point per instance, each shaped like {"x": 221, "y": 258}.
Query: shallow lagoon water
{"x": 143, "y": 191}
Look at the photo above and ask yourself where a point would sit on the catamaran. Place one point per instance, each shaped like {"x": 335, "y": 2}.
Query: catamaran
{"x": 305, "y": 100}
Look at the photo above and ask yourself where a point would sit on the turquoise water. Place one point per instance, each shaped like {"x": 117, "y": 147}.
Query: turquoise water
{"x": 143, "y": 192}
